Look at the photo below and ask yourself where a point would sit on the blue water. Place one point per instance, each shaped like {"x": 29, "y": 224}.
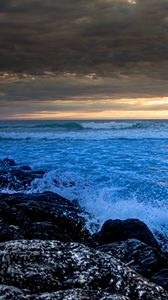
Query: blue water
{"x": 119, "y": 169}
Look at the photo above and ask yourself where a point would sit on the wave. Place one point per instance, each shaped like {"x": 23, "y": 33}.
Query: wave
{"x": 100, "y": 202}
{"x": 83, "y": 130}
{"x": 95, "y": 135}
{"x": 61, "y": 126}
{"x": 101, "y": 125}
{"x": 83, "y": 125}
{"x": 38, "y": 125}
{"x": 118, "y": 125}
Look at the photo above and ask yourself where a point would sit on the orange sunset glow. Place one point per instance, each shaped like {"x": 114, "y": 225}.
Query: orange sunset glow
{"x": 131, "y": 108}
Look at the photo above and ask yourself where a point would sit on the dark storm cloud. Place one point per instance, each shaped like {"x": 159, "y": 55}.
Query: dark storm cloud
{"x": 107, "y": 37}
{"x": 95, "y": 56}
{"x": 80, "y": 88}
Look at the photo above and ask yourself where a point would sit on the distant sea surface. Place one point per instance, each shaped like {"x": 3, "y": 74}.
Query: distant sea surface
{"x": 116, "y": 169}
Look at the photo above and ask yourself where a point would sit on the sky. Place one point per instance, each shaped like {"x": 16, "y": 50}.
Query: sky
{"x": 81, "y": 59}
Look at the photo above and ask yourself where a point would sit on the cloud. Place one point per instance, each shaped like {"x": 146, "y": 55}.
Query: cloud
{"x": 99, "y": 50}
{"x": 77, "y": 97}
{"x": 78, "y": 88}
{"x": 107, "y": 37}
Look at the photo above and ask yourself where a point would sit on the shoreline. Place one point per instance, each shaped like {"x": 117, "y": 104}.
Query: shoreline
{"x": 48, "y": 221}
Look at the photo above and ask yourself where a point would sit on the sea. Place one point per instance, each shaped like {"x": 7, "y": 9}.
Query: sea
{"x": 115, "y": 169}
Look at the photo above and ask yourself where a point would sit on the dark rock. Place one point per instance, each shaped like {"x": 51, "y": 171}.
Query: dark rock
{"x": 47, "y": 230}
{"x": 10, "y": 293}
{"x": 15, "y": 177}
{"x": 118, "y": 230}
{"x": 39, "y": 172}
{"x": 161, "y": 278}
{"x": 163, "y": 240}
{"x": 140, "y": 257}
{"x": 18, "y": 178}
{"x": 40, "y": 216}
{"x": 51, "y": 266}
{"x": 7, "y": 162}
{"x": 25, "y": 168}
{"x": 13, "y": 293}
{"x": 78, "y": 294}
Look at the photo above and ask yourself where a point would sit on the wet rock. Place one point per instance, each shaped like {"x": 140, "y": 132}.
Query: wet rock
{"x": 78, "y": 294}
{"x": 140, "y": 257}
{"x": 47, "y": 230}
{"x": 7, "y": 162}
{"x": 11, "y": 293}
{"x": 51, "y": 266}
{"x": 15, "y": 177}
{"x": 25, "y": 168}
{"x": 161, "y": 278}
{"x": 118, "y": 230}
{"x": 40, "y": 216}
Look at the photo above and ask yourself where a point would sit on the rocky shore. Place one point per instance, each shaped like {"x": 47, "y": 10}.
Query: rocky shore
{"x": 46, "y": 252}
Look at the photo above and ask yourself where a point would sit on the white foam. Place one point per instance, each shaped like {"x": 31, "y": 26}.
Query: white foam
{"x": 106, "y": 125}
{"x": 8, "y": 191}
{"x": 86, "y": 135}
{"x": 101, "y": 204}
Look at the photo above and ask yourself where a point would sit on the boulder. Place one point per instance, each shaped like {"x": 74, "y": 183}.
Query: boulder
{"x": 10, "y": 292}
{"x": 118, "y": 230}
{"x": 40, "y": 216}
{"x": 140, "y": 257}
{"x": 78, "y": 294}
{"x": 17, "y": 178}
{"x": 161, "y": 278}
{"x": 52, "y": 266}
{"x": 7, "y": 162}
{"x": 13, "y": 293}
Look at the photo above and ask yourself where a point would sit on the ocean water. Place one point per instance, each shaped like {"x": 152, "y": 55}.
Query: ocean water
{"x": 116, "y": 169}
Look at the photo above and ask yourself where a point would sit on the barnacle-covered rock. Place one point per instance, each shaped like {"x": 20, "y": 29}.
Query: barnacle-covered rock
{"x": 46, "y": 216}
{"x": 52, "y": 266}
{"x": 140, "y": 257}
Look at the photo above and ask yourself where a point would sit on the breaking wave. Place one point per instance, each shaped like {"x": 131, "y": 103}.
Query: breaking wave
{"x": 102, "y": 203}
{"x": 86, "y": 130}
{"x": 116, "y": 169}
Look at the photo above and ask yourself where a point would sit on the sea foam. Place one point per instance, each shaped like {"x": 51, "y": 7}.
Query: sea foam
{"x": 115, "y": 169}
{"x": 101, "y": 204}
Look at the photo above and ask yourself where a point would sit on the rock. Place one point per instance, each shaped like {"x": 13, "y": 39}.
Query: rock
{"x": 25, "y": 168}
{"x": 78, "y": 294}
{"x": 161, "y": 278}
{"x": 140, "y": 257}
{"x": 15, "y": 177}
{"x": 47, "y": 230}
{"x": 11, "y": 293}
{"x": 162, "y": 239}
{"x": 40, "y": 216}
{"x": 51, "y": 266}
{"x": 7, "y": 162}
{"x": 118, "y": 230}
